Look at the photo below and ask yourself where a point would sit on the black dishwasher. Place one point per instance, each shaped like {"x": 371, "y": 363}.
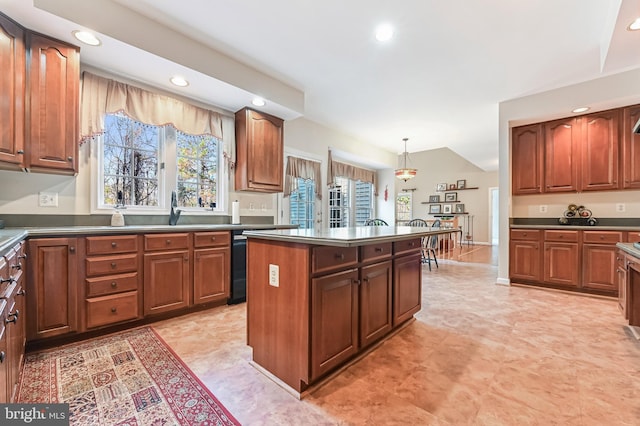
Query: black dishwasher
{"x": 238, "y": 268}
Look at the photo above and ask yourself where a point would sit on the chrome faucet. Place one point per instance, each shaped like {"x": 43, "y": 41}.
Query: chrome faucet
{"x": 175, "y": 213}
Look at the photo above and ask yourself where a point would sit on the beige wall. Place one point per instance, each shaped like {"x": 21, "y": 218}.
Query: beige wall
{"x": 603, "y": 93}
{"x": 445, "y": 166}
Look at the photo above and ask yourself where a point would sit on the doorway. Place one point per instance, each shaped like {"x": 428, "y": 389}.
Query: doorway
{"x": 494, "y": 209}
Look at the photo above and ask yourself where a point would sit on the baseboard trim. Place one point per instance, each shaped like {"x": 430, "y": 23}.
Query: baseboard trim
{"x": 504, "y": 281}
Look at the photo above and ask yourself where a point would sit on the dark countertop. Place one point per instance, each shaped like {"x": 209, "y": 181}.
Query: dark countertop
{"x": 585, "y": 228}
{"x": 10, "y": 236}
{"x": 348, "y": 237}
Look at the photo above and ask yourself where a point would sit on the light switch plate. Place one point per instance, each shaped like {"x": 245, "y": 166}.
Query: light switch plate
{"x": 274, "y": 275}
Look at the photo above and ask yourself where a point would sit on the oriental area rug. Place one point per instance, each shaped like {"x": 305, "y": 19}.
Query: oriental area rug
{"x": 129, "y": 378}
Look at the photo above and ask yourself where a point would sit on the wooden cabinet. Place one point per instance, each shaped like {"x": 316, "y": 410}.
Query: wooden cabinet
{"x": 166, "y": 272}
{"x": 599, "y": 264}
{"x": 112, "y": 284}
{"x": 211, "y": 266}
{"x": 561, "y": 258}
{"x": 52, "y": 287}
{"x": 621, "y": 281}
{"x": 633, "y": 292}
{"x": 52, "y": 124}
{"x": 259, "y": 152}
{"x": 4, "y": 354}
{"x": 407, "y": 280}
{"x": 15, "y": 319}
{"x": 12, "y": 87}
{"x": 376, "y": 292}
{"x": 599, "y": 151}
{"x": 630, "y": 148}
{"x": 334, "y": 319}
{"x": 527, "y": 160}
{"x": 525, "y": 255}
{"x": 561, "y": 155}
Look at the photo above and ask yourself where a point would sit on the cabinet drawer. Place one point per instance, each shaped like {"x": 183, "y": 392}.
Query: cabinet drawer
{"x": 112, "y": 309}
{"x": 328, "y": 258}
{"x": 406, "y": 246}
{"x": 633, "y": 236}
{"x": 603, "y": 237}
{"x": 211, "y": 239}
{"x": 112, "y": 244}
{"x": 375, "y": 251}
{"x": 166, "y": 242}
{"x": 525, "y": 234}
{"x": 111, "y": 264}
{"x": 553, "y": 235}
{"x": 111, "y": 284}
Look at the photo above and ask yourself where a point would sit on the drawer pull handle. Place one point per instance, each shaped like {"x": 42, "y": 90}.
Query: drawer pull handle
{"x": 114, "y": 310}
{"x": 22, "y": 292}
{"x": 113, "y": 265}
{"x": 340, "y": 256}
{"x": 378, "y": 250}
{"x": 6, "y": 280}
{"x": 24, "y": 256}
{"x": 114, "y": 244}
{"x": 114, "y": 284}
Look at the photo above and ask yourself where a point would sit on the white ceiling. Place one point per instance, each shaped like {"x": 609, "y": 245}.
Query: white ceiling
{"x": 438, "y": 82}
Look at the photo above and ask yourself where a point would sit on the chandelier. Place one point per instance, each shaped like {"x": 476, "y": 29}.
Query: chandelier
{"x": 405, "y": 173}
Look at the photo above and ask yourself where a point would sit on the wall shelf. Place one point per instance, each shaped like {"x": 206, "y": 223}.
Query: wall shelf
{"x": 458, "y": 189}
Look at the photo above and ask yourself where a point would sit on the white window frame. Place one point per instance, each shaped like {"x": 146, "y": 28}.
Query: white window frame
{"x": 351, "y": 208}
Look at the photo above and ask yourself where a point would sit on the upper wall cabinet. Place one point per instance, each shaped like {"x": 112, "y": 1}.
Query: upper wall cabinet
{"x": 12, "y": 89}
{"x": 630, "y": 148}
{"x": 39, "y": 84}
{"x": 53, "y": 130}
{"x": 259, "y": 152}
{"x": 594, "y": 152}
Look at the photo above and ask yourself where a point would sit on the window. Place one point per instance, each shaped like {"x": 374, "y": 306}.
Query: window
{"x": 197, "y": 169}
{"x": 134, "y": 156}
{"x": 403, "y": 207}
{"x": 342, "y": 203}
{"x": 302, "y": 204}
{"x": 130, "y": 162}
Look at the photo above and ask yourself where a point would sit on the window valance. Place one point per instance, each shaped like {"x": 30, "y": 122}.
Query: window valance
{"x": 102, "y": 95}
{"x": 336, "y": 168}
{"x": 305, "y": 169}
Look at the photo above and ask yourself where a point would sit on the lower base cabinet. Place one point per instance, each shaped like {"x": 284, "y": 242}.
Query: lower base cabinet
{"x": 407, "y": 290}
{"x": 166, "y": 282}
{"x": 376, "y": 295}
{"x": 561, "y": 262}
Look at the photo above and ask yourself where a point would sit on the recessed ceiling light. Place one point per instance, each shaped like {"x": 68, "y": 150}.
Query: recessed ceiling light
{"x": 87, "y": 38}
{"x": 258, "y": 102}
{"x": 581, "y": 109}
{"x": 384, "y": 32}
{"x": 179, "y": 81}
{"x": 635, "y": 25}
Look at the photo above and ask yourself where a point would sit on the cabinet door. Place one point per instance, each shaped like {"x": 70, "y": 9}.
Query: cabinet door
{"x": 211, "y": 275}
{"x": 334, "y": 319}
{"x": 621, "y": 281}
{"x": 561, "y": 263}
{"x": 54, "y": 98}
{"x": 375, "y": 302}
{"x": 52, "y": 287}
{"x": 599, "y": 267}
{"x": 630, "y": 148}
{"x": 561, "y": 155}
{"x": 526, "y": 160}
{"x": 524, "y": 260}
{"x": 12, "y": 87}
{"x": 4, "y": 355}
{"x": 599, "y": 150}
{"x": 260, "y": 151}
{"x": 407, "y": 290}
{"x": 166, "y": 281}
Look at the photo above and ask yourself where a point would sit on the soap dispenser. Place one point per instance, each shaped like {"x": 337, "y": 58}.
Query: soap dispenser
{"x": 117, "y": 218}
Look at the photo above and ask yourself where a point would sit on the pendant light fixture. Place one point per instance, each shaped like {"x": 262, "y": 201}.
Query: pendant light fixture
{"x": 405, "y": 173}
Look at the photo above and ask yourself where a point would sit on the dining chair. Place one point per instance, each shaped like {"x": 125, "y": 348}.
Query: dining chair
{"x": 423, "y": 240}
{"x": 375, "y": 222}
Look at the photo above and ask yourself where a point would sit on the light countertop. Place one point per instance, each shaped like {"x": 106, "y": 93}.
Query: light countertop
{"x": 629, "y": 248}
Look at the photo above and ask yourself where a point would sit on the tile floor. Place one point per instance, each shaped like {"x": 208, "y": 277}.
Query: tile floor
{"x": 477, "y": 354}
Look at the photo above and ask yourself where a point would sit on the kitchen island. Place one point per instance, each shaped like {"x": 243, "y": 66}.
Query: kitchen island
{"x": 318, "y": 299}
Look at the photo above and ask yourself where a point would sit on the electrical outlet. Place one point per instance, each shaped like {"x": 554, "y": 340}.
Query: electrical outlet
{"x": 543, "y": 208}
{"x": 274, "y": 275}
{"x": 48, "y": 199}
{"x": 620, "y": 208}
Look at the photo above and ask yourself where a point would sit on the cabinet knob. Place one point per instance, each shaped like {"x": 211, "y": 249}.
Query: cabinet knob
{"x": 72, "y": 249}
{"x": 3, "y": 355}
{"x": 20, "y": 151}
{"x": 213, "y": 238}
{"x": 70, "y": 158}
{"x": 186, "y": 258}
{"x": 114, "y": 284}
{"x": 113, "y": 265}
{"x": 114, "y": 310}
{"x": 168, "y": 242}
{"x": 114, "y": 244}
{"x": 524, "y": 235}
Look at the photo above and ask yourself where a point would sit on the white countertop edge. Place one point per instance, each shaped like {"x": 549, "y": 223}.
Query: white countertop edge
{"x": 578, "y": 227}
